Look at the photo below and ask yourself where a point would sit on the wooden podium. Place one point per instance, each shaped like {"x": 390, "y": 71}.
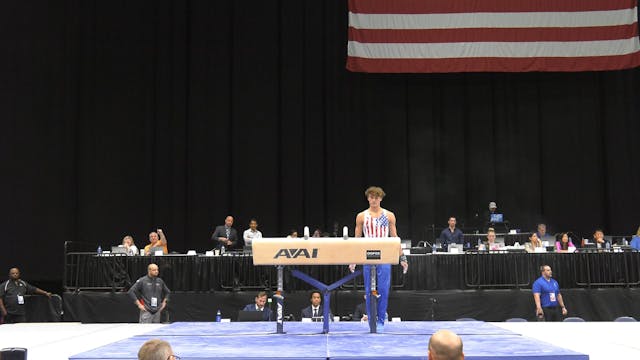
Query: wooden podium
{"x": 325, "y": 251}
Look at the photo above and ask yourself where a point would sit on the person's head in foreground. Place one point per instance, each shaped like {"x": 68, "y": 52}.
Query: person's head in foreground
{"x": 445, "y": 345}
{"x": 156, "y": 349}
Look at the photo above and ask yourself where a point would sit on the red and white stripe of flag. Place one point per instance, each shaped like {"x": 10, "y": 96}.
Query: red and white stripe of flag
{"x": 492, "y": 35}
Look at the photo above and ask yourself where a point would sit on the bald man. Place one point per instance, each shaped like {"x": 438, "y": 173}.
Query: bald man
{"x": 150, "y": 295}
{"x": 12, "y": 297}
{"x": 156, "y": 349}
{"x": 445, "y": 345}
{"x": 225, "y": 235}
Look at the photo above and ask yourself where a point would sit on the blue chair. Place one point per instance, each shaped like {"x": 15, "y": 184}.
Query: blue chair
{"x": 516, "y": 320}
{"x": 625, "y": 319}
{"x": 573, "y": 319}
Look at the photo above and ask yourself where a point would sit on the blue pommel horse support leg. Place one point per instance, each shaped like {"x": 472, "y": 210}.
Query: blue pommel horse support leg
{"x": 325, "y": 251}
{"x": 326, "y": 292}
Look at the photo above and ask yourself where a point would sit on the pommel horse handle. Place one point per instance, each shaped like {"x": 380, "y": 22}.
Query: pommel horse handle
{"x": 326, "y": 251}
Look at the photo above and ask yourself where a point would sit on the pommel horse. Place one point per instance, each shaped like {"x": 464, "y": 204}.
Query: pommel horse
{"x": 325, "y": 251}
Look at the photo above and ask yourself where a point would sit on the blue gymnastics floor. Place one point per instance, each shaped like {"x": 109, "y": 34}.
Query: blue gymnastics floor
{"x": 346, "y": 340}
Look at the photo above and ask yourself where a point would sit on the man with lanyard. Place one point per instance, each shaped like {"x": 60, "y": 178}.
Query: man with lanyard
{"x": 12, "y": 294}
{"x": 546, "y": 294}
{"x": 150, "y": 295}
{"x": 376, "y": 222}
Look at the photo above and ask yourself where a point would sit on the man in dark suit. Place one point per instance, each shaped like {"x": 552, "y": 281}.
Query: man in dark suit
{"x": 225, "y": 235}
{"x": 314, "y": 311}
{"x": 260, "y": 301}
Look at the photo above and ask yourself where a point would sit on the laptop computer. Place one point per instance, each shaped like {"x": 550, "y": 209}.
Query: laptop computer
{"x": 497, "y": 218}
{"x": 118, "y": 249}
{"x": 250, "y": 315}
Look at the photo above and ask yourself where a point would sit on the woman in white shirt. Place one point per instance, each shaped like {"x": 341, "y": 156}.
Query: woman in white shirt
{"x": 128, "y": 244}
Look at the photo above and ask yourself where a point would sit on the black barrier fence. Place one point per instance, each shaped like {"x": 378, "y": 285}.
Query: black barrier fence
{"x": 473, "y": 270}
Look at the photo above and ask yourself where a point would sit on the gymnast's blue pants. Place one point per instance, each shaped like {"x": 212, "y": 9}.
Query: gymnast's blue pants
{"x": 383, "y": 282}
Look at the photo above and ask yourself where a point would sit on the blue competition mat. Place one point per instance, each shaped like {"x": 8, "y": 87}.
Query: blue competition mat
{"x": 347, "y": 340}
{"x": 256, "y": 328}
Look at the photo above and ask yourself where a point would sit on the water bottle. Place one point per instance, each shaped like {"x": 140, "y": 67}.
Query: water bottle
{"x": 222, "y": 250}
{"x": 607, "y": 245}
{"x": 218, "y": 316}
{"x": 99, "y": 251}
{"x": 624, "y": 242}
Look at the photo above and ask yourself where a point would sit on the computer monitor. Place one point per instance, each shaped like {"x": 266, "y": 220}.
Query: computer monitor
{"x": 497, "y": 218}
{"x": 244, "y": 315}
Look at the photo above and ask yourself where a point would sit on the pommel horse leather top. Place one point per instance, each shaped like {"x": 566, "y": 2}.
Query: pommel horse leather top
{"x": 326, "y": 251}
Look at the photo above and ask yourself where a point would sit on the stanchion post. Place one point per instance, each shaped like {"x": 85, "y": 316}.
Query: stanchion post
{"x": 373, "y": 301}
{"x": 279, "y": 299}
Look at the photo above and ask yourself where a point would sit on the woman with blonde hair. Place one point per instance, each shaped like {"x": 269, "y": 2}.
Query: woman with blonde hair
{"x": 128, "y": 244}
{"x": 635, "y": 240}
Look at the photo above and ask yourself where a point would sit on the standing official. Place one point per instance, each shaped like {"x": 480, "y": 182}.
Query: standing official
{"x": 12, "y": 297}
{"x": 251, "y": 233}
{"x": 150, "y": 295}
{"x": 546, "y": 294}
{"x": 225, "y": 235}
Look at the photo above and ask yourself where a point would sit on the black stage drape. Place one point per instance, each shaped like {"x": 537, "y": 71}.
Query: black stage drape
{"x": 486, "y": 305}
{"x": 119, "y": 117}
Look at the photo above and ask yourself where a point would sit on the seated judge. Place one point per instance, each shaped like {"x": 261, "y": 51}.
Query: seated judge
{"x": 451, "y": 235}
{"x": 360, "y": 312}
{"x": 563, "y": 243}
{"x": 314, "y": 311}
{"x": 635, "y": 240}
{"x": 541, "y": 233}
{"x": 129, "y": 245}
{"x": 491, "y": 244}
{"x": 598, "y": 239}
{"x": 259, "y": 305}
{"x": 533, "y": 244}
{"x": 156, "y": 240}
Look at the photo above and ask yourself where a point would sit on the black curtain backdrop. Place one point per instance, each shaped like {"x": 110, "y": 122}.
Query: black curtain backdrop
{"x": 118, "y": 117}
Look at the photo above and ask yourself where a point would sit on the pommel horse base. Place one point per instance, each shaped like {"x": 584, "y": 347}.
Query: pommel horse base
{"x": 325, "y": 251}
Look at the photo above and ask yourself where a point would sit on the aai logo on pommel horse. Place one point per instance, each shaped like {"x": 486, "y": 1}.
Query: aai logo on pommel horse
{"x": 296, "y": 253}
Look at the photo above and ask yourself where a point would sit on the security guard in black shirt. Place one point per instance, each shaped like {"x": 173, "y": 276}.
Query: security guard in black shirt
{"x": 12, "y": 297}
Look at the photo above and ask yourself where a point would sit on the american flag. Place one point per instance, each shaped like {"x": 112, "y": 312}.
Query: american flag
{"x": 376, "y": 227}
{"x": 414, "y": 36}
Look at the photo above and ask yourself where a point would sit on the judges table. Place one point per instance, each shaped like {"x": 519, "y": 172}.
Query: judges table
{"x": 89, "y": 271}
